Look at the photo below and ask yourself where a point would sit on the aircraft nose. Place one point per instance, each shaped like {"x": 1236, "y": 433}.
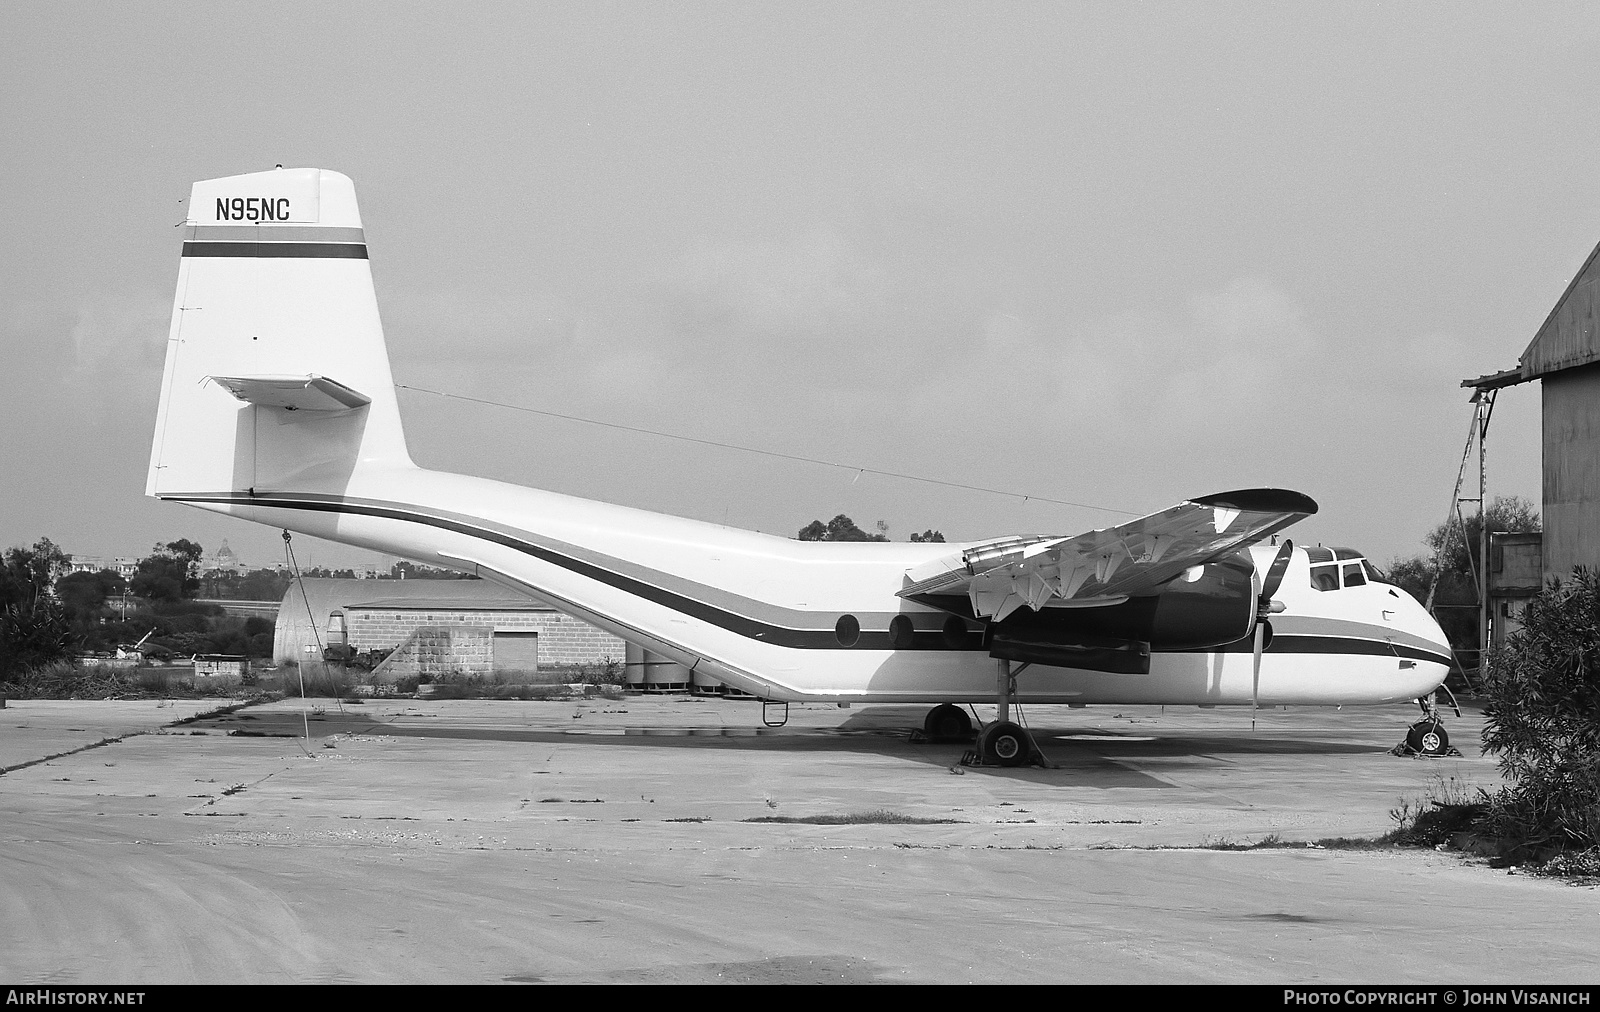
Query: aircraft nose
{"x": 1409, "y": 614}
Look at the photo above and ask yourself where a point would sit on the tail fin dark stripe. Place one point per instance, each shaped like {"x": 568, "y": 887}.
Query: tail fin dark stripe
{"x": 321, "y": 250}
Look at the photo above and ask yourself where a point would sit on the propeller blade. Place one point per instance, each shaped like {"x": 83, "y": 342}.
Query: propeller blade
{"x": 1269, "y": 586}
{"x": 1274, "y": 577}
{"x": 1255, "y": 678}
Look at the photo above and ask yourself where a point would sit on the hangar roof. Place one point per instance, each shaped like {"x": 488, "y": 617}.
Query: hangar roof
{"x": 453, "y": 604}
{"x": 1569, "y": 338}
{"x": 327, "y": 594}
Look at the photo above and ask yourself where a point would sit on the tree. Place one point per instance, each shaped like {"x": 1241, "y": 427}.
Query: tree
{"x": 403, "y": 570}
{"x": 33, "y": 625}
{"x": 256, "y": 585}
{"x": 1543, "y": 722}
{"x": 931, "y": 536}
{"x": 840, "y": 528}
{"x": 1414, "y": 575}
{"x": 1459, "y": 542}
{"x": 187, "y": 550}
{"x": 169, "y": 572}
{"x": 84, "y": 594}
{"x": 29, "y": 573}
{"x": 1453, "y": 560}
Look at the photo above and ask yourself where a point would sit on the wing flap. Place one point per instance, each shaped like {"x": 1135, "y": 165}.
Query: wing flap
{"x": 1111, "y": 564}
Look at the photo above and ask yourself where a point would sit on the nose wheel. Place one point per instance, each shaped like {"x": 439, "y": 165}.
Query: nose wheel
{"x": 1427, "y": 737}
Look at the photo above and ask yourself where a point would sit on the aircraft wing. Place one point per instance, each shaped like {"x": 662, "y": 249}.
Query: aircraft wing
{"x": 1110, "y": 565}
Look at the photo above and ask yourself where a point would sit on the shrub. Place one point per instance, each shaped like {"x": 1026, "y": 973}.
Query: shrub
{"x": 1543, "y": 721}
{"x": 605, "y": 671}
{"x": 33, "y": 633}
{"x": 67, "y": 680}
{"x": 318, "y": 679}
{"x": 1448, "y": 809}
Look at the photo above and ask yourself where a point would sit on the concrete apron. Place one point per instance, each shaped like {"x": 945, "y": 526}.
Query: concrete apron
{"x": 612, "y": 841}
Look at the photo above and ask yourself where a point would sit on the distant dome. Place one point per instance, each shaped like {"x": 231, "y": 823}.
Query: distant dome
{"x": 223, "y": 559}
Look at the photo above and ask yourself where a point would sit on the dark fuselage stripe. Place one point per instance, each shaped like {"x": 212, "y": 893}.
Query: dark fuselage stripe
{"x": 804, "y": 639}
{"x": 321, "y": 250}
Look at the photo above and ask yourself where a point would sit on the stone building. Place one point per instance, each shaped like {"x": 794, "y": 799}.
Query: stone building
{"x": 435, "y": 627}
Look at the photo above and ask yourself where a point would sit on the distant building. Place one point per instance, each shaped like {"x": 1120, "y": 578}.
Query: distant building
{"x": 223, "y": 561}
{"x": 1516, "y": 575}
{"x": 469, "y": 627}
{"x": 124, "y": 568}
{"x": 210, "y": 667}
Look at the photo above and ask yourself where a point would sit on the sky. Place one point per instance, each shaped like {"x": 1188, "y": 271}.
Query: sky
{"x": 1111, "y": 254}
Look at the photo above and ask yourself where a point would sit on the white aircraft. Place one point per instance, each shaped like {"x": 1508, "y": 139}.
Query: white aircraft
{"x": 278, "y": 407}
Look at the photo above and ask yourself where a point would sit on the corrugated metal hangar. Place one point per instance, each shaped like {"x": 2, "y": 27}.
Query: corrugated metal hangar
{"x": 1564, "y": 356}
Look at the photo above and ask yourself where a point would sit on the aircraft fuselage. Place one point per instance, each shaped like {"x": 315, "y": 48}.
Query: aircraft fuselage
{"x": 790, "y": 620}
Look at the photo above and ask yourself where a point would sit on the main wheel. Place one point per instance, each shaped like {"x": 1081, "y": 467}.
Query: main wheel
{"x": 1428, "y": 737}
{"x": 1005, "y": 744}
{"x": 947, "y": 722}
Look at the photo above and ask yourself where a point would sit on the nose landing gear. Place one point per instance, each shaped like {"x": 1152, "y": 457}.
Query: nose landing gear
{"x": 1427, "y": 737}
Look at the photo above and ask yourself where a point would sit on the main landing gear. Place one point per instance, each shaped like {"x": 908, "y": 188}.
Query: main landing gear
{"x": 1001, "y": 743}
{"x": 947, "y": 722}
{"x": 1004, "y": 744}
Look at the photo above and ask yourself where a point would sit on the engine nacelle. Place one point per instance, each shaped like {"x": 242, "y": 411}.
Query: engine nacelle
{"x": 1215, "y": 607}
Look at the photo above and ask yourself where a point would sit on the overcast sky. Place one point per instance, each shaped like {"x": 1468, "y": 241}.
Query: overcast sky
{"x": 1109, "y": 253}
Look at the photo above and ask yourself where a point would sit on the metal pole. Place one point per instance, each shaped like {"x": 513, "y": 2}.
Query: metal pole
{"x": 1485, "y": 402}
{"x": 1003, "y": 690}
{"x": 1454, "y": 514}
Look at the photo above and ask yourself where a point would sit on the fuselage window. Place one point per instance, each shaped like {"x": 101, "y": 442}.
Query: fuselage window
{"x": 901, "y": 633}
{"x": 1325, "y": 577}
{"x": 847, "y": 630}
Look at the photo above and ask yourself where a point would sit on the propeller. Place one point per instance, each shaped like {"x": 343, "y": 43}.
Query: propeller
{"x": 1269, "y": 586}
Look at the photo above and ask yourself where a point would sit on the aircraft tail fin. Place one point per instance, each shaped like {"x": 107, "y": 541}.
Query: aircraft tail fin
{"x": 277, "y": 377}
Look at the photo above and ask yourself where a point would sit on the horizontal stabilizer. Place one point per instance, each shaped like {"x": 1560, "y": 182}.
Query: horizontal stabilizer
{"x": 294, "y": 393}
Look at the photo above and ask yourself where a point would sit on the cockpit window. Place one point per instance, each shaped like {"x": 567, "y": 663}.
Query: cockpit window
{"x": 1336, "y": 568}
{"x": 1325, "y": 577}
